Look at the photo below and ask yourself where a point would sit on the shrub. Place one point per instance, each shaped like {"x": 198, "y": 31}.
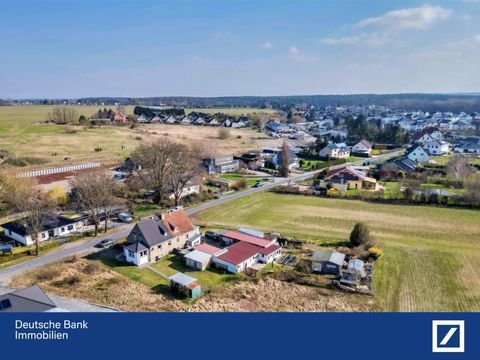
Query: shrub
{"x": 360, "y": 235}
{"x": 47, "y": 274}
{"x": 375, "y": 252}
{"x": 91, "y": 268}
{"x": 68, "y": 281}
{"x": 239, "y": 185}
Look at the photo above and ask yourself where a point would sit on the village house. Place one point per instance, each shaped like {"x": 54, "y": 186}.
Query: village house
{"x": 471, "y": 147}
{"x": 293, "y": 162}
{"x": 418, "y": 154}
{"x": 190, "y": 188}
{"x": 253, "y": 160}
{"x": 221, "y": 165}
{"x": 392, "y": 168}
{"x": 153, "y": 238}
{"x": 53, "y": 226}
{"x": 201, "y": 256}
{"x": 427, "y": 135}
{"x": 348, "y": 178}
{"x": 437, "y": 147}
{"x": 335, "y": 151}
{"x": 119, "y": 118}
{"x": 363, "y": 148}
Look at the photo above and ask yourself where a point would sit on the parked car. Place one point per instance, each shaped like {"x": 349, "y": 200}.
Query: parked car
{"x": 211, "y": 235}
{"x": 257, "y": 185}
{"x": 149, "y": 193}
{"x": 105, "y": 243}
{"x": 125, "y": 217}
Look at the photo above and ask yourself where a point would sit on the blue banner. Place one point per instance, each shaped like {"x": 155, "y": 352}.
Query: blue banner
{"x": 241, "y": 335}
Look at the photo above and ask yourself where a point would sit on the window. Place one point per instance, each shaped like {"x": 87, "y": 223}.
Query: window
{"x": 70, "y": 227}
{"x": 43, "y": 235}
{"x": 62, "y": 229}
{"x": 170, "y": 243}
{"x": 130, "y": 253}
{"x": 159, "y": 246}
{"x": 178, "y": 239}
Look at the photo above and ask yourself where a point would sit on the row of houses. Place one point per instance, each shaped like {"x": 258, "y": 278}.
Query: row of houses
{"x": 194, "y": 119}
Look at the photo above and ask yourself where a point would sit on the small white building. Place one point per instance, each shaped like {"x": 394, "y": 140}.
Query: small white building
{"x": 418, "y": 154}
{"x": 437, "y": 147}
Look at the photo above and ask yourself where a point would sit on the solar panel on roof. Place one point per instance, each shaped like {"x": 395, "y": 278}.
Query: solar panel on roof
{"x": 5, "y": 304}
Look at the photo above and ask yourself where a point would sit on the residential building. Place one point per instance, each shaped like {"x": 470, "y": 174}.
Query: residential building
{"x": 363, "y": 148}
{"x": 293, "y": 161}
{"x": 335, "y": 151}
{"x": 221, "y": 165}
{"x": 418, "y": 154}
{"x": 153, "y": 238}
{"x": 437, "y": 147}
{"x": 53, "y": 226}
{"x": 348, "y": 178}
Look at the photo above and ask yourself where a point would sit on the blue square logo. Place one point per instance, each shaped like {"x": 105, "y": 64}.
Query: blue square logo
{"x": 448, "y": 336}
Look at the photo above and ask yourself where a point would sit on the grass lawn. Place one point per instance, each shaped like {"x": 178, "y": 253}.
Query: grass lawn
{"x": 23, "y": 132}
{"x": 236, "y": 177}
{"x": 432, "y": 254}
{"x": 443, "y": 160}
{"x": 142, "y": 210}
{"x": 143, "y": 275}
{"x": 172, "y": 264}
{"x": 308, "y": 165}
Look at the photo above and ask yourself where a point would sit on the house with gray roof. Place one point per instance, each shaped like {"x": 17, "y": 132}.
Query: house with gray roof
{"x": 157, "y": 236}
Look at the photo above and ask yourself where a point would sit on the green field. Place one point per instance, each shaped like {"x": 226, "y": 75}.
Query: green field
{"x": 251, "y": 180}
{"x": 24, "y": 133}
{"x": 432, "y": 255}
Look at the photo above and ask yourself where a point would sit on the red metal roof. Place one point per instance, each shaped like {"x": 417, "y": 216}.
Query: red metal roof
{"x": 255, "y": 240}
{"x": 239, "y": 252}
{"x": 208, "y": 249}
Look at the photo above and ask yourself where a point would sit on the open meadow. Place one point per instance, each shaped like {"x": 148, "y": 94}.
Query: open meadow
{"x": 432, "y": 254}
{"x": 24, "y": 133}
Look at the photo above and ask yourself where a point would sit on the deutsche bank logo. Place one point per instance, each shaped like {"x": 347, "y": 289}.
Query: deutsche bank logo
{"x": 448, "y": 336}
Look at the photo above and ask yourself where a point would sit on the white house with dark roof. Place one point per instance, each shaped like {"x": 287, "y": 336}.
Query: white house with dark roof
{"x": 437, "y": 147}
{"x": 362, "y": 147}
{"x": 153, "y": 238}
{"x": 418, "y": 154}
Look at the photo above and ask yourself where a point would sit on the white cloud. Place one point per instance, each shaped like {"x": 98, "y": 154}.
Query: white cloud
{"x": 267, "y": 45}
{"x": 298, "y": 56}
{"x": 371, "y": 40}
{"x": 411, "y": 18}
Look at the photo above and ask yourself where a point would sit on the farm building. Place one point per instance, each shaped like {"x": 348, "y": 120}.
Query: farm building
{"x": 327, "y": 261}
{"x": 185, "y": 285}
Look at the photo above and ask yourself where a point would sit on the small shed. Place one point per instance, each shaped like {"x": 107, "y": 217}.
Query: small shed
{"x": 197, "y": 260}
{"x": 185, "y": 285}
{"x": 327, "y": 261}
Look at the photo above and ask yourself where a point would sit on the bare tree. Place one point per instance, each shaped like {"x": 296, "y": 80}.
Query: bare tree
{"x": 21, "y": 196}
{"x": 184, "y": 169}
{"x": 458, "y": 167}
{"x": 94, "y": 192}
{"x": 472, "y": 184}
{"x": 63, "y": 115}
{"x": 284, "y": 159}
{"x": 155, "y": 160}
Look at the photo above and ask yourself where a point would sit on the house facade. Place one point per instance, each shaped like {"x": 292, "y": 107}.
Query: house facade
{"x": 363, "y": 147}
{"x": 335, "y": 151}
{"x": 347, "y": 178}
{"x": 53, "y": 226}
{"x": 437, "y": 147}
{"x": 221, "y": 165}
{"x": 153, "y": 238}
{"x": 418, "y": 154}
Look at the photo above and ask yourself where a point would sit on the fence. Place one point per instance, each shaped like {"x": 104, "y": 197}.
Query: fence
{"x": 59, "y": 170}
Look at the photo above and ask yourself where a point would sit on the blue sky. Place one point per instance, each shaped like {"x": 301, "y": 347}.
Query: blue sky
{"x": 77, "y": 48}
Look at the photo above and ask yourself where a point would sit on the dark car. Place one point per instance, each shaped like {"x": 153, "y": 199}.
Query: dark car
{"x": 257, "y": 185}
{"x": 211, "y": 235}
{"x": 105, "y": 243}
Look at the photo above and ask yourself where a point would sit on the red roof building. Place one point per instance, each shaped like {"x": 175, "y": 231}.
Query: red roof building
{"x": 236, "y": 236}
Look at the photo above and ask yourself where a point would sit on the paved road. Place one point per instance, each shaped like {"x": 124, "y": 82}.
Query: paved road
{"x": 88, "y": 246}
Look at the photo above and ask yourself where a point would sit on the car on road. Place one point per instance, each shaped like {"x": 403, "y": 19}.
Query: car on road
{"x": 105, "y": 243}
{"x": 257, "y": 185}
{"x": 125, "y": 217}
